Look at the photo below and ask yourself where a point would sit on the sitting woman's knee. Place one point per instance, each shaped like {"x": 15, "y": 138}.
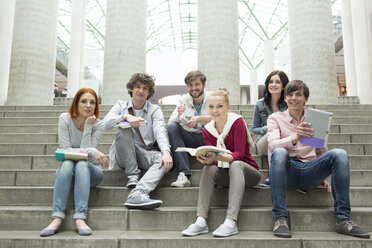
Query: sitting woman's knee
{"x": 81, "y": 165}
{"x": 66, "y": 168}
{"x": 209, "y": 169}
{"x": 236, "y": 165}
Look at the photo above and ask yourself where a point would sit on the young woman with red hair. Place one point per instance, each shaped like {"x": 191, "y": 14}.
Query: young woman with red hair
{"x": 78, "y": 128}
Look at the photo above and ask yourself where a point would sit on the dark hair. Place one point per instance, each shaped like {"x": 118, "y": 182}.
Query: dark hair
{"x": 73, "y": 111}
{"x": 143, "y": 78}
{"x": 192, "y": 75}
{"x": 295, "y": 85}
{"x": 267, "y": 95}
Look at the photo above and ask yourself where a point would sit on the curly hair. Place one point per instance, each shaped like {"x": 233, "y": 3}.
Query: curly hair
{"x": 143, "y": 78}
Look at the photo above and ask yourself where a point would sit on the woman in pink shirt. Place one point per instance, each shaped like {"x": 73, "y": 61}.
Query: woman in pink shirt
{"x": 236, "y": 170}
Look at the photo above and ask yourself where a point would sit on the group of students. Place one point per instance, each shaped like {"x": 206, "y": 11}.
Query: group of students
{"x": 200, "y": 118}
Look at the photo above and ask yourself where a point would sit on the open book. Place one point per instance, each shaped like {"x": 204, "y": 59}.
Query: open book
{"x": 125, "y": 124}
{"x": 75, "y": 155}
{"x": 201, "y": 150}
{"x": 320, "y": 121}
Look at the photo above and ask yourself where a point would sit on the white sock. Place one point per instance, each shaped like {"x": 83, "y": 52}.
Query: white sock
{"x": 200, "y": 221}
{"x": 229, "y": 222}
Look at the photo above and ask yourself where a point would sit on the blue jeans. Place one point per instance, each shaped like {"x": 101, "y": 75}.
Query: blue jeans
{"x": 179, "y": 137}
{"x": 286, "y": 173}
{"x": 85, "y": 175}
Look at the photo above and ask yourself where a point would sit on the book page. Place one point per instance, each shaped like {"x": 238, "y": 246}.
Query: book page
{"x": 201, "y": 150}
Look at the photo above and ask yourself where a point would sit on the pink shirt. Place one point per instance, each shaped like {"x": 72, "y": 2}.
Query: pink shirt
{"x": 280, "y": 128}
{"x": 236, "y": 142}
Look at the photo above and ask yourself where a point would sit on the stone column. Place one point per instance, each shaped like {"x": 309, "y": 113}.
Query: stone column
{"x": 362, "y": 49}
{"x": 125, "y": 46}
{"x": 253, "y": 87}
{"x": 218, "y": 45}
{"x": 312, "y": 48}
{"x": 33, "y": 60}
{"x": 348, "y": 46}
{"x": 77, "y": 46}
{"x": 243, "y": 96}
{"x": 6, "y": 36}
{"x": 269, "y": 57}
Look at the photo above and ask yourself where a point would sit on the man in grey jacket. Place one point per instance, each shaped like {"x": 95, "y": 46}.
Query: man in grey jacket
{"x": 146, "y": 148}
{"x": 186, "y": 123}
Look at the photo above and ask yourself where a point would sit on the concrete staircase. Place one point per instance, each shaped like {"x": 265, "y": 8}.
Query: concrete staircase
{"x": 28, "y": 139}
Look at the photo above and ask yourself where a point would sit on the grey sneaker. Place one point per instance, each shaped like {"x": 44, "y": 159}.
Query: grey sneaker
{"x": 350, "y": 228}
{"x": 132, "y": 182}
{"x": 194, "y": 229}
{"x": 182, "y": 181}
{"x": 139, "y": 200}
{"x": 281, "y": 228}
{"x": 225, "y": 231}
{"x": 48, "y": 232}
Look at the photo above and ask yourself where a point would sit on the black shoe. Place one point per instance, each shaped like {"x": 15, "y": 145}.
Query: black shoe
{"x": 281, "y": 228}
{"x": 348, "y": 227}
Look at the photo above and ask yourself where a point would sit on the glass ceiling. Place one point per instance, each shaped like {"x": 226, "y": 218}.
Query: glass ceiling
{"x": 172, "y": 25}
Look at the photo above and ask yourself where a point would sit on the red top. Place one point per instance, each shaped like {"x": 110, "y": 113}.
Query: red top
{"x": 235, "y": 141}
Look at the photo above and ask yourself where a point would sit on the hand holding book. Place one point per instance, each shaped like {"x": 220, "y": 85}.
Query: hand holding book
{"x": 125, "y": 124}
{"x": 201, "y": 150}
{"x": 319, "y": 122}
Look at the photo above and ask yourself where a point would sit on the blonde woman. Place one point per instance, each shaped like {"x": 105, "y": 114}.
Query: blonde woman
{"x": 236, "y": 170}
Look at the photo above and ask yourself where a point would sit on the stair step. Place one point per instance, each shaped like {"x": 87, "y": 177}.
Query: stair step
{"x": 46, "y": 162}
{"x": 116, "y": 195}
{"x": 65, "y": 239}
{"x": 177, "y": 218}
{"x": 109, "y": 136}
{"x": 170, "y": 239}
{"x": 242, "y": 239}
{"x": 118, "y": 177}
{"x": 49, "y": 149}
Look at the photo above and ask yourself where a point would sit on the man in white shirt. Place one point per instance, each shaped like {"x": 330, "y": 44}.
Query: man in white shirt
{"x": 186, "y": 123}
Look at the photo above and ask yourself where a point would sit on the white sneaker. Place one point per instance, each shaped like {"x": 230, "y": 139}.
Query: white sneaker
{"x": 225, "y": 231}
{"x": 195, "y": 229}
{"x": 182, "y": 181}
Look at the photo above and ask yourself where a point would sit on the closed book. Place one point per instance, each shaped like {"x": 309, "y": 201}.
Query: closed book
{"x": 125, "y": 124}
{"x": 62, "y": 155}
{"x": 320, "y": 121}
